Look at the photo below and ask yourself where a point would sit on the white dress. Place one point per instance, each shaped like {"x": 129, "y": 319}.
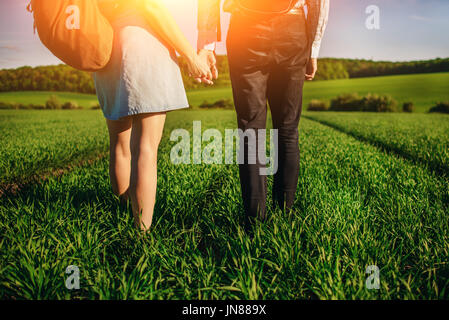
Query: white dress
{"x": 142, "y": 76}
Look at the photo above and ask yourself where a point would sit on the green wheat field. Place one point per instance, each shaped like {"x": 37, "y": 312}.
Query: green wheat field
{"x": 373, "y": 190}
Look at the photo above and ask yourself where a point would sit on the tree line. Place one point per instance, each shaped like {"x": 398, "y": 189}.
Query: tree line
{"x": 65, "y": 78}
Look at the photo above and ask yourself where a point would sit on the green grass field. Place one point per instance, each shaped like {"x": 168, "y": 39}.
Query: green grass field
{"x": 424, "y": 90}
{"x": 371, "y": 192}
{"x": 40, "y": 97}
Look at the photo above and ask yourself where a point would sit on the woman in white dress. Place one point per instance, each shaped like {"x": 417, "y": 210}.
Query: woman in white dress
{"x": 139, "y": 85}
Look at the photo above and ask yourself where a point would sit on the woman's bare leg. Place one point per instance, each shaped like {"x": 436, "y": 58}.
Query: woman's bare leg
{"x": 120, "y": 156}
{"x": 145, "y": 138}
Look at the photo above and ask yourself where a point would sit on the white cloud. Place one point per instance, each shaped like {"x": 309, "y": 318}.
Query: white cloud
{"x": 9, "y": 47}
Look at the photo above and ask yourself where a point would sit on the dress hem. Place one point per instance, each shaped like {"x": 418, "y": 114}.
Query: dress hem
{"x": 131, "y": 113}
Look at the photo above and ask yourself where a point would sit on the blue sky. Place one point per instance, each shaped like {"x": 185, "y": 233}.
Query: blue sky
{"x": 409, "y": 30}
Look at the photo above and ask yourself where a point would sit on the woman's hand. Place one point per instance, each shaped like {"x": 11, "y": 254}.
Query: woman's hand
{"x": 199, "y": 68}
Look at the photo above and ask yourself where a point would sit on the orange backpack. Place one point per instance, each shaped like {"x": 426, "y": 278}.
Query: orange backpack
{"x": 75, "y": 31}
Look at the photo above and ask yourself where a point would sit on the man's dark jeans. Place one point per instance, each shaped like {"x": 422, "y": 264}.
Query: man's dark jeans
{"x": 267, "y": 61}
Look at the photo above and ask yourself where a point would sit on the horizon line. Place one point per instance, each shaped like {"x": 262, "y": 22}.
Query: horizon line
{"x": 224, "y": 55}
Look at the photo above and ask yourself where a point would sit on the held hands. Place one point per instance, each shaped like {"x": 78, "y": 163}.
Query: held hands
{"x": 207, "y": 63}
{"x": 211, "y": 60}
{"x": 198, "y": 68}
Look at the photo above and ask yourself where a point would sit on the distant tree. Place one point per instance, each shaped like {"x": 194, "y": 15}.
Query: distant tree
{"x": 408, "y": 107}
{"x": 441, "y": 107}
{"x": 65, "y": 78}
{"x": 53, "y": 103}
{"x": 317, "y": 105}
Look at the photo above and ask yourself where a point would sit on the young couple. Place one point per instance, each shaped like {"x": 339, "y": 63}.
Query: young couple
{"x": 272, "y": 48}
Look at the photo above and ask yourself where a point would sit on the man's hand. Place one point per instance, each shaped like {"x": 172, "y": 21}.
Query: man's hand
{"x": 311, "y": 69}
{"x": 209, "y": 56}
